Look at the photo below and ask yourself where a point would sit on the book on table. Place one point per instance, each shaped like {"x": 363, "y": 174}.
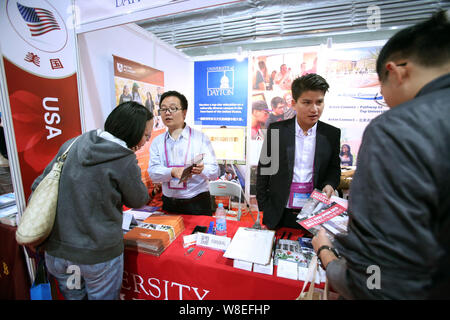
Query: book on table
{"x": 154, "y": 234}
{"x": 8, "y": 215}
{"x": 7, "y": 199}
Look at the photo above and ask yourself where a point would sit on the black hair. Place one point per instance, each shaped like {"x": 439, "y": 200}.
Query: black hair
{"x": 426, "y": 43}
{"x": 309, "y": 82}
{"x": 276, "y": 101}
{"x": 341, "y": 153}
{"x": 183, "y": 100}
{"x": 128, "y": 121}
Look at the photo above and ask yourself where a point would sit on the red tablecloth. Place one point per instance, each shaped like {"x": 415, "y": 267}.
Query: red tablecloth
{"x": 14, "y": 279}
{"x": 174, "y": 275}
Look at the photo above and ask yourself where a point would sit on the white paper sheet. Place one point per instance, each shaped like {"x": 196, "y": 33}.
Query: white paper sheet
{"x": 251, "y": 245}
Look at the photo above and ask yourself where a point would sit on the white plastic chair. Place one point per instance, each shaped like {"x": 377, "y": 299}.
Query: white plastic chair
{"x": 227, "y": 189}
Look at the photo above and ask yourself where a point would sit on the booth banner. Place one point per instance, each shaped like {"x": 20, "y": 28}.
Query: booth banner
{"x": 39, "y": 57}
{"x": 137, "y": 82}
{"x": 354, "y": 97}
{"x": 352, "y": 101}
{"x": 140, "y": 83}
{"x": 220, "y": 93}
{"x": 272, "y": 76}
{"x": 228, "y": 143}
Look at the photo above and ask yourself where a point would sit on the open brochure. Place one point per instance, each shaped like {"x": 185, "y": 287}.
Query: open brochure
{"x": 321, "y": 211}
{"x": 188, "y": 168}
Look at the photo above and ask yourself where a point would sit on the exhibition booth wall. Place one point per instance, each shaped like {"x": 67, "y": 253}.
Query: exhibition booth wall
{"x": 96, "y": 50}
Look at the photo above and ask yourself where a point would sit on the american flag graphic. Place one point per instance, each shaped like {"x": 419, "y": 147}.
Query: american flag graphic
{"x": 39, "y": 21}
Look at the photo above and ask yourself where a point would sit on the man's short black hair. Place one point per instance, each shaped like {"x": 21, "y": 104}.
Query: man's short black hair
{"x": 128, "y": 121}
{"x": 276, "y": 101}
{"x": 309, "y": 82}
{"x": 173, "y": 93}
{"x": 426, "y": 43}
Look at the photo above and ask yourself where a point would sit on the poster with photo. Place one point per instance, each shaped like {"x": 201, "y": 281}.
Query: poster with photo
{"x": 140, "y": 83}
{"x": 354, "y": 97}
{"x": 271, "y": 97}
{"x": 137, "y": 82}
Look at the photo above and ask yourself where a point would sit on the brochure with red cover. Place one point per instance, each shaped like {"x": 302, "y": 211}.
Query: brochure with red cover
{"x": 321, "y": 211}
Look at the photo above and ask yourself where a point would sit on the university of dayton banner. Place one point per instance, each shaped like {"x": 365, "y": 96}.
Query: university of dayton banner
{"x": 38, "y": 52}
{"x": 220, "y": 93}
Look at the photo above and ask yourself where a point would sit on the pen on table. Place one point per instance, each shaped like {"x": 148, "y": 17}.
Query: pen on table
{"x": 289, "y": 235}
{"x": 282, "y": 236}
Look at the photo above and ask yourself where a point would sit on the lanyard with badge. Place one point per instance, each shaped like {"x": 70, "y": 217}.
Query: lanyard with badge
{"x": 174, "y": 183}
{"x": 300, "y": 192}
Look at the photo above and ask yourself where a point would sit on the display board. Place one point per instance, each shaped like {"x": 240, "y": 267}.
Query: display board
{"x": 352, "y": 101}
{"x": 220, "y": 92}
{"x": 228, "y": 143}
{"x": 137, "y": 82}
{"x": 134, "y": 81}
{"x": 39, "y": 60}
{"x": 354, "y": 97}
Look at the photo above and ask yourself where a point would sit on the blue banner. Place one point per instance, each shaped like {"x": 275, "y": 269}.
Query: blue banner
{"x": 220, "y": 92}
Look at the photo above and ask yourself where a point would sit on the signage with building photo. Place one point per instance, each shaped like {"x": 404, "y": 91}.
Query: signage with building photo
{"x": 220, "y": 94}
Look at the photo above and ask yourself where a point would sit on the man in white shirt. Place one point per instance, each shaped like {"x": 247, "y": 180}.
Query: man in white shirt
{"x": 172, "y": 151}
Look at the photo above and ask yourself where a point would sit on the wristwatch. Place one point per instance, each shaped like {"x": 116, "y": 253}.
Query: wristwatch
{"x": 335, "y": 252}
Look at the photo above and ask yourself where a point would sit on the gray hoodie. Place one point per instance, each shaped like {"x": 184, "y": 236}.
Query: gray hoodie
{"x": 99, "y": 177}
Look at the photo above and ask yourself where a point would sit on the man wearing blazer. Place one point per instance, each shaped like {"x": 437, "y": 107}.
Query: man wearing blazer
{"x": 298, "y": 155}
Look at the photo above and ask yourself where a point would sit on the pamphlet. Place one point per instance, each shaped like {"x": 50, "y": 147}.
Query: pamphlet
{"x": 188, "y": 169}
{"x": 293, "y": 258}
{"x": 321, "y": 211}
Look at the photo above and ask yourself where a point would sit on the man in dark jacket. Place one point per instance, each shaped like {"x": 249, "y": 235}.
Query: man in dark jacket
{"x": 298, "y": 155}
{"x": 398, "y": 241}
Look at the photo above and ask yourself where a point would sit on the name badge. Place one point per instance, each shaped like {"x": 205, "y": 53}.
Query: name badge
{"x": 299, "y": 194}
{"x": 175, "y": 184}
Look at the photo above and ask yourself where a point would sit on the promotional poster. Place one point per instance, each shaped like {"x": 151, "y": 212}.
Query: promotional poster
{"x": 38, "y": 52}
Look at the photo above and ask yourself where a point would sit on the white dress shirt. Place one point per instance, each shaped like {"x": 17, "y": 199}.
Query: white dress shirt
{"x": 176, "y": 152}
{"x": 305, "y": 148}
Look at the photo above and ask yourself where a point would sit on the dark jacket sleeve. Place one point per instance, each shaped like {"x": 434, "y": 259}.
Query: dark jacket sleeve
{"x": 134, "y": 191}
{"x": 392, "y": 196}
{"x": 262, "y": 178}
{"x": 333, "y": 175}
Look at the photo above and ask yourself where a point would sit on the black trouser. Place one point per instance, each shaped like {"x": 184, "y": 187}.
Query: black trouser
{"x": 198, "y": 205}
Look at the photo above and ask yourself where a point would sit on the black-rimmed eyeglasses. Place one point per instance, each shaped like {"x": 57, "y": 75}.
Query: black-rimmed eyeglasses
{"x": 171, "y": 109}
